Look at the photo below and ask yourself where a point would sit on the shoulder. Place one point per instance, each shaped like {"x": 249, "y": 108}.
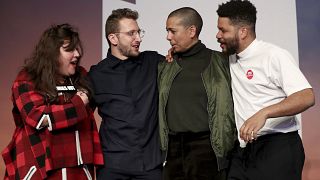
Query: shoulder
{"x": 150, "y": 54}
{"x": 23, "y": 76}
{"x": 271, "y": 49}
{"x": 275, "y": 53}
{"x": 82, "y": 70}
{"x": 216, "y": 53}
{"x": 151, "y": 57}
{"x": 22, "y": 83}
{"x": 219, "y": 54}
{"x": 219, "y": 57}
{"x": 99, "y": 65}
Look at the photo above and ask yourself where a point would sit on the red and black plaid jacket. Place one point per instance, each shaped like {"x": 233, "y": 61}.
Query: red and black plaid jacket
{"x": 49, "y": 150}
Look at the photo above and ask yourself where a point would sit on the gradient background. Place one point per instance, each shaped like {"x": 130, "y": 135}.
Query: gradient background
{"x": 22, "y": 23}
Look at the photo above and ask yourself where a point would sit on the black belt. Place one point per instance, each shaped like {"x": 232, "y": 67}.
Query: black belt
{"x": 189, "y": 135}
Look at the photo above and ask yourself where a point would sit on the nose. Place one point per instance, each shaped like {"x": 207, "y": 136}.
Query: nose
{"x": 76, "y": 52}
{"x": 169, "y": 36}
{"x": 218, "y": 35}
{"x": 138, "y": 38}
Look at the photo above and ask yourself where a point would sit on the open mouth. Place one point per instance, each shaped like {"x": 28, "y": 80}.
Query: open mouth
{"x": 74, "y": 62}
{"x": 136, "y": 46}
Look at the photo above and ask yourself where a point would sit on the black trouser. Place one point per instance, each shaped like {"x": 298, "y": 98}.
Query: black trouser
{"x": 190, "y": 156}
{"x": 117, "y": 174}
{"x": 277, "y": 156}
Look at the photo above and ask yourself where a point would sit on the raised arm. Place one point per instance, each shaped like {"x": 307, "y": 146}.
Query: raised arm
{"x": 34, "y": 109}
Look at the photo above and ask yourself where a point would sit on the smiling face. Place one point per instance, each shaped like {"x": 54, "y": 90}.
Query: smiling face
{"x": 228, "y": 36}
{"x": 68, "y": 60}
{"x": 126, "y": 42}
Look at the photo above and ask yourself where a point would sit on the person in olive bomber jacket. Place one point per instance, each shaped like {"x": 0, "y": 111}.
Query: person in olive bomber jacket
{"x": 196, "y": 115}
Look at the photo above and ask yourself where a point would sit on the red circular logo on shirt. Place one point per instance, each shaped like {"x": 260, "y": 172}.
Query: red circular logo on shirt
{"x": 249, "y": 74}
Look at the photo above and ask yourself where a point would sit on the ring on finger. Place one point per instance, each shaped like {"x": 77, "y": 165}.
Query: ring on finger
{"x": 252, "y": 135}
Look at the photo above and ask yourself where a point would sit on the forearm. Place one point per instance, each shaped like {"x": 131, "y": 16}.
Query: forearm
{"x": 292, "y": 105}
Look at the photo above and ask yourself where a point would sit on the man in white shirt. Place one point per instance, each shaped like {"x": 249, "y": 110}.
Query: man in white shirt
{"x": 269, "y": 90}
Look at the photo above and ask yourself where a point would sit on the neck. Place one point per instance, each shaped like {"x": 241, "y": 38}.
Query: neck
{"x": 245, "y": 43}
{"x": 61, "y": 80}
{"x": 115, "y": 52}
{"x": 193, "y": 42}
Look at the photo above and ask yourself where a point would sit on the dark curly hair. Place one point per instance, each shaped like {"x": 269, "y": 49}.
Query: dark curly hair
{"x": 240, "y": 12}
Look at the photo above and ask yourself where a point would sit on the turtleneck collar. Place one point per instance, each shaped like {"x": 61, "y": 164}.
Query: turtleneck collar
{"x": 193, "y": 50}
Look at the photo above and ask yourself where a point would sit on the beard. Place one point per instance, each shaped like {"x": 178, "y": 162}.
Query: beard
{"x": 127, "y": 51}
{"x": 231, "y": 45}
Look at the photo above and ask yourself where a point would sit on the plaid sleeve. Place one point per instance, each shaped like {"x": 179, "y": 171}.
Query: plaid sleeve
{"x": 32, "y": 106}
{"x": 66, "y": 115}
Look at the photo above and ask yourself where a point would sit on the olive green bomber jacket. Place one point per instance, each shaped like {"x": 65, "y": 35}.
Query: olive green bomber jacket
{"x": 217, "y": 82}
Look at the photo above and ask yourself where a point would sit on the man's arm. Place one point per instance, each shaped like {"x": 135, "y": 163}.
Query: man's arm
{"x": 292, "y": 105}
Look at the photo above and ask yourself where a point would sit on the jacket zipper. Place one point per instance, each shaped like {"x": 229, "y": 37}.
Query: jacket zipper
{"x": 165, "y": 121}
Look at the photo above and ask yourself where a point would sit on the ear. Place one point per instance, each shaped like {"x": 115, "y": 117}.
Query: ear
{"x": 243, "y": 32}
{"x": 193, "y": 31}
{"x": 113, "y": 39}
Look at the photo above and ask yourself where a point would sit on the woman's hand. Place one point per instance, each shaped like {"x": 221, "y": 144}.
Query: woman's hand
{"x": 83, "y": 95}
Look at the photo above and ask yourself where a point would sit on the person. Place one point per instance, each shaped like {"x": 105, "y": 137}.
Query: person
{"x": 126, "y": 94}
{"x": 56, "y": 136}
{"x": 197, "y": 128}
{"x": 269, "y": 91}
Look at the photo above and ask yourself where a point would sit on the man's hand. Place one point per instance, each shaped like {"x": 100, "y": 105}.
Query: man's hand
{"x": 169, "y": 56}
{"x": 292, "y": 105}
{"x": 249, "y": 130}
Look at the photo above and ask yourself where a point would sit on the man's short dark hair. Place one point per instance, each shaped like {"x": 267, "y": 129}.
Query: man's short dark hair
{"x": 240, "y": 12}
{"x": 112, "y": 23}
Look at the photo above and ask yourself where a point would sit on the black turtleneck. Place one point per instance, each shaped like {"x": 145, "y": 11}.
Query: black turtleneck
{"x": 187, "y": 103}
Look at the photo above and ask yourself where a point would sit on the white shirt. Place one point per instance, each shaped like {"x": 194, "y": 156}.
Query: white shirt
{"x": 264, "y": 74}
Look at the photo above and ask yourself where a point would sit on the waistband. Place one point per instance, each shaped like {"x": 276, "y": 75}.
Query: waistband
{"x": 276, "y": 136}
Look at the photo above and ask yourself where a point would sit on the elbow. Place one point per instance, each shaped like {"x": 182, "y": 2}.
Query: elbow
{"x": 312, "y": 102}
{"x": 310, "y": 98}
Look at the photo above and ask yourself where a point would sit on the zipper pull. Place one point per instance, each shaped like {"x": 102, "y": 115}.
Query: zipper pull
{"x": 164, "y": 163}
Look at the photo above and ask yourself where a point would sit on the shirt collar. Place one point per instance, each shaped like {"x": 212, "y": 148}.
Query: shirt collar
{"x": 114, "y": 61}
{"x": 246, "y": 52}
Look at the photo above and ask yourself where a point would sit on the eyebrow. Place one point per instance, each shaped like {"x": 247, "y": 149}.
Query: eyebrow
{"x": 170, "y": 29}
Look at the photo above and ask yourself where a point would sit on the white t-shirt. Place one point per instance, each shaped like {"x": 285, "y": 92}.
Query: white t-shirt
{"x": 264, "y": 74}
